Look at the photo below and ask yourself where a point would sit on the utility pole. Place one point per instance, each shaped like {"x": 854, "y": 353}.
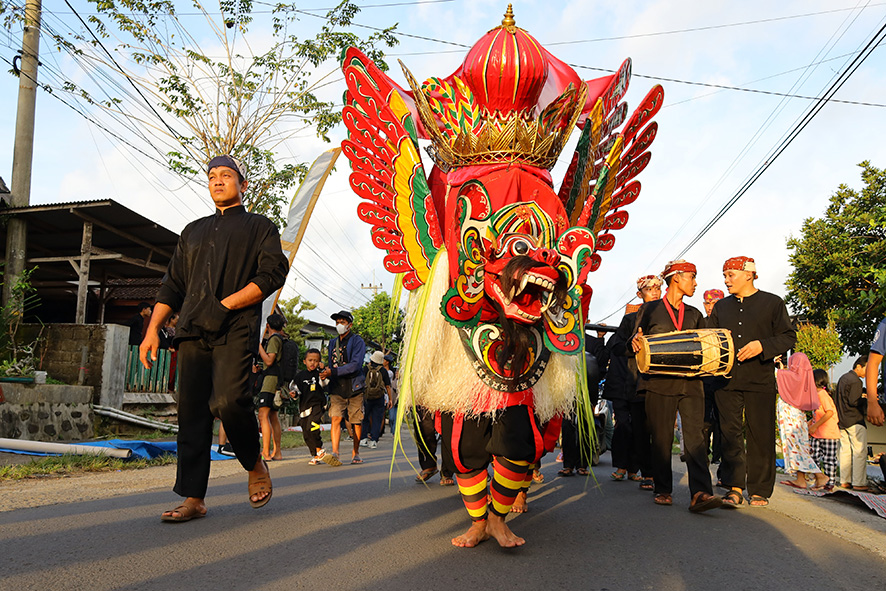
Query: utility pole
{"x": 375, "y": 288}
{"x": 23, "y": 152}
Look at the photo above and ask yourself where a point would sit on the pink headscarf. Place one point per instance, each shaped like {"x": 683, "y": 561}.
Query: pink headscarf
{"x": 796, "y": 386}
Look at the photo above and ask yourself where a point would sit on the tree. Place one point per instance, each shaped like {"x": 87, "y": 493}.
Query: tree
{"x": 371, "y": 322}
{"x": 839, "y": 262}
{"x": 292, "y": 311}
{"x": 145, "y": 71}
{"x": 821, "y": 345}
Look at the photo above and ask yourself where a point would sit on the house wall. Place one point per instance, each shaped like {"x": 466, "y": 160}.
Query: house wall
{"x": 62, "y": 351}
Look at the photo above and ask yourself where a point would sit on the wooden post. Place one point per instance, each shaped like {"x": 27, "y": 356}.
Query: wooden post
{"x": 23, "y": 151}
{"x": 83, "y": 283}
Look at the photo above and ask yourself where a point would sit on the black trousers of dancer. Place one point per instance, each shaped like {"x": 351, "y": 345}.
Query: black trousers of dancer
{"x": 575, "y": 456}
{"x": 624, "y": 453}
{"x": 662, "y": 413}
{"x": 310, "y": 429}
{"x": 426, "y": 441}
{"x": 751, "y": 468}
{"x": 213, "y": 381}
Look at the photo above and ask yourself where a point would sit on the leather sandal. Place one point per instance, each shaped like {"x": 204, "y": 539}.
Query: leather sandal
{"x": 185, "y": 513}
{"x": 260, "y": 484}
{"x": 704, "y": 502}
{"x": 663, "y": 499}
{"x": 732, "y": 499}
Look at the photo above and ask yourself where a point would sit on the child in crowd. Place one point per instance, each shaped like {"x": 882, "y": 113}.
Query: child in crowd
{"x": 797, "y": 393}
{"x": 311, "y": 405}
{"x": 824, "y": 430}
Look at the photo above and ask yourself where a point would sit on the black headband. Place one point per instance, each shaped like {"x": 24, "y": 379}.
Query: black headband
{"x": 227, "y": 161}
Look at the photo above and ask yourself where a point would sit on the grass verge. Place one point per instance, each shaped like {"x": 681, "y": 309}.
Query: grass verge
{"x": 58, "y": 466}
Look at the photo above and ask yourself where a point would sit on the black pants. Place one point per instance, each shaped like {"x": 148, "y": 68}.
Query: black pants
{"x": 641, "y": 440}
{"x": 213, "y": 382}
{"x": 624, "y": 454}
{"x": 712, "y": 427}
{"x": 751, "y": 467}
{"x": 469, "y": 445}
{"x": 310, "y": 429}
{"x": 426, "y": 441}
{"x": 575, "y": 456}
{"x": 662, "y": 413}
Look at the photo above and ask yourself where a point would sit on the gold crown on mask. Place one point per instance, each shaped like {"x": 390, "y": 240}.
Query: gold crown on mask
{"x": 489, "y": 115}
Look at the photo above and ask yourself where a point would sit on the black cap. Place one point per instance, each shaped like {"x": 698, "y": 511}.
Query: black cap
{"x": 389, "y": 358}
{"x": 343, "y": 315}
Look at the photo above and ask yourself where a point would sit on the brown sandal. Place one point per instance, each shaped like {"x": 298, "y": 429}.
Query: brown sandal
{"x": 703, "y": 501}
{"x": 663, "y": 499}
{"x": 185, "y": 513}
{"x": 260, "y": 484}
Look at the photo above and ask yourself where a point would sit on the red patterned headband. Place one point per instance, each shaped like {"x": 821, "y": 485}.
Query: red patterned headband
{"x": 713, "y": 295}
{"x": 648, "y": 281}
{"x": 678, "y": 266}
{"x": 740, "y": 264}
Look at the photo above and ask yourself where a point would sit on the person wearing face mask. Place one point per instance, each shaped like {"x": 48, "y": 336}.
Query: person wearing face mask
{"x": 344, "y": 370}
{"x": 761, "y": 330}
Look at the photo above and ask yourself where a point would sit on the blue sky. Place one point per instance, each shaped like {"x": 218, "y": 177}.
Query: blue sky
{"x": 709, "y": 141}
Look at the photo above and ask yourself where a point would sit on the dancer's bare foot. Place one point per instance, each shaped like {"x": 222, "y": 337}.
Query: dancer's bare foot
{"x": 497, "y": 529}
{"x": 475, "y": 534}
{"x": 521, "y": 503}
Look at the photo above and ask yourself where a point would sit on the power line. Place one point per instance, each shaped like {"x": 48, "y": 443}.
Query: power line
{"x": 703, "y": 28}
{"x": 770, "y": 119}
{"x": 174, "y": 133}
{"x": 791, "y": 136}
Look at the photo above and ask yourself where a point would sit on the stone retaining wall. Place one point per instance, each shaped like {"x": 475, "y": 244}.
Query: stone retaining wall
{"x": 46, "y": 412}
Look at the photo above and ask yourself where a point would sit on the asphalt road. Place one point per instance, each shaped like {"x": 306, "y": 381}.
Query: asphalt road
{"x": 349, "y": 528}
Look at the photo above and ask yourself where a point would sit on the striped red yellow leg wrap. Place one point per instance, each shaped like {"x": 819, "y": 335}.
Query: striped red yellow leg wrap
{"x": 472, "y": 486}
{"x": 508, "y": 479}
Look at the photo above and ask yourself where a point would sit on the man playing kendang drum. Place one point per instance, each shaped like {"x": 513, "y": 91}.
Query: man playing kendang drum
{"x": 761, "y": 331}
{"x": 665, "y": 395}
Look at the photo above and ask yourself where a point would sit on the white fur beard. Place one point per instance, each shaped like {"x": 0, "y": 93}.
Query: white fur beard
{"x": 444, "y": 379}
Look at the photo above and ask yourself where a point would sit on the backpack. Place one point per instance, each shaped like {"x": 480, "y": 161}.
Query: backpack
{"x": 288, "y": 362}
{"x": 375, "y": 384}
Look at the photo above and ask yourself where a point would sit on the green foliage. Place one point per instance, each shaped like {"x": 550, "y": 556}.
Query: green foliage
{"x": 73, "y": 464}
{"x": 371, "y": 321}
{"x": 293, "y": 310}
{"x": 205, "y": 87}
{"x": 821, "y": 345}
{"x": 18, "y": 359}
{"x": 839, "y": 262}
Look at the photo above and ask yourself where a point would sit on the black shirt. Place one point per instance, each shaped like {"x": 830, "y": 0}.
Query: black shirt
{"x": 851, "y": 405}
{"x": 310, "y": 391}
{"x": 654, "y": 319}
{"x": 216, "y": 256}
{"x": 621, "y": 379}
{"x": 762, "y": 317}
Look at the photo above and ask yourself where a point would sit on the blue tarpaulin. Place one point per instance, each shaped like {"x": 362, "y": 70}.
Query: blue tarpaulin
{"x": 140, "y": 449}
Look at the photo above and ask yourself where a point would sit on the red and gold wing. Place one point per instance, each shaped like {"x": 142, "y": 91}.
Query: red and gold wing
{"x": 387, "y": 171}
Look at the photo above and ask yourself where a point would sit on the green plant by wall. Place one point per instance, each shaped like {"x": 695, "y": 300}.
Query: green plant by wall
{"x": 18, "y": 359}
{"x": 821, "y": 345}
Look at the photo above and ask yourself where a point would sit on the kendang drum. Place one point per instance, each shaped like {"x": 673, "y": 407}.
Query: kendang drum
{"x": 687, "y": 353}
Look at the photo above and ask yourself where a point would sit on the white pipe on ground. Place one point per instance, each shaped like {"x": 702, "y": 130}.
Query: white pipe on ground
{"x": 107, "y": 411}
{"x": 63, "y": 448}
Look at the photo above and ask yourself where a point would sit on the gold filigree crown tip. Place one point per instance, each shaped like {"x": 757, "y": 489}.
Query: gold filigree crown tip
{"x": 508, "y": 20}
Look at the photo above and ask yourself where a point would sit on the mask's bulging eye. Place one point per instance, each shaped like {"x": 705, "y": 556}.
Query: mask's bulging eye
{"x": 520, "y": 247}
